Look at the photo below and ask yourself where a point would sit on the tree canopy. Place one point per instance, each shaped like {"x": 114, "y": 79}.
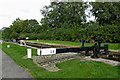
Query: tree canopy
{"x": 66, "y": 21}
{"x": 59, "y": 13}
{"x": 20, "y": 27}
{"x": 107, "y": 12}
{"x": 6, "y": 33}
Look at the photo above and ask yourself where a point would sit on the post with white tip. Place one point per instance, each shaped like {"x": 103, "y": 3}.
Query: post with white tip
{"x": 8, "y": 46}
{"x": 38, "y": 52}
{"x": 37, "y": 40}
{"x": 29, "y": 54}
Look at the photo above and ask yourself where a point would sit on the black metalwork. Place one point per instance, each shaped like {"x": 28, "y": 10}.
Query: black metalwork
{"x": 96, "y": 51}
{"x": 95, "y": 48}
{"x": 83, "y": 41}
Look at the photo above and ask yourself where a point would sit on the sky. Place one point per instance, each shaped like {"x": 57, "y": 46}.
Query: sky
{"x": 24, "y": 9}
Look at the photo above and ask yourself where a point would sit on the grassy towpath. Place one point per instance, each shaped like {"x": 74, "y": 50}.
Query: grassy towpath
{"x": 73, "y": 68}
{"x": 111, "y": 45}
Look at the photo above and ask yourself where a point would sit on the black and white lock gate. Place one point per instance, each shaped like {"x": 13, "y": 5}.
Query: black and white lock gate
{"x": 96, "y": 48}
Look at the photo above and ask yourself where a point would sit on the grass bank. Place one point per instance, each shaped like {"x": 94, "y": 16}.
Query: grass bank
{"x": 111, "y": 45}
{"x": 69, "y": 69}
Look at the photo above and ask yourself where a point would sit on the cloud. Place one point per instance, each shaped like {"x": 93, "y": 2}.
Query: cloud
{"x": 24, "y": 9}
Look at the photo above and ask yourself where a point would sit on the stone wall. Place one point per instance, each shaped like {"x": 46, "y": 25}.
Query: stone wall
{"x": 46, "y": 59}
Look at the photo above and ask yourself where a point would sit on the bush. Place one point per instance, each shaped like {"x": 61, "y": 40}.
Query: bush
{"x": 75, "y": 32}
{"x": 108, "y": 33}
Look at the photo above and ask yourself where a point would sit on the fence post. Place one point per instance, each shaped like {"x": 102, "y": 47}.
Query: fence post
{"x": 29, "y": 54}
{"x": 87, "y": 52}
{"x": 96, "y": 51}
{"x": 106, "y": 48}
{"x": 83, "y": 41}
{"x": 8, "y": 46}
{"x": 38, "y": 52}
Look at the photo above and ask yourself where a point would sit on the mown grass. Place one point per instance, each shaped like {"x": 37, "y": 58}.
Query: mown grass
{"x": 111, "y": 45}
{"x": 69, "y": 69}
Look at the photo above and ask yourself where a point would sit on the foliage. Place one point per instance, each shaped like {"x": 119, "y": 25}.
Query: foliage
{"x": 21, "y": 28}
{"x": 6, "y": 33}
{"x": 108, "y": 33}
{"x": 67, "y": 22}
{"x": 58, "y": 13}
{"x": 107, "y": 12}
{"x": 0, "y": 34}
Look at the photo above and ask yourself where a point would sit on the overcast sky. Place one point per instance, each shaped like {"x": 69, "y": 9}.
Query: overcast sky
{"x": 24, "y": 9}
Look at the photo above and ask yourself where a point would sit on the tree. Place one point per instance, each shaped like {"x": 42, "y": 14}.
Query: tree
{"x": 58, "y": 13}
{"x": 0, "y": 34}
{"x": 6, "y": 33}
{"x": 107, "y": 12}
{"x": 20, "y": 27}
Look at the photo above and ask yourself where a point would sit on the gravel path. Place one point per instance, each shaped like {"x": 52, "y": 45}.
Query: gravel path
{"x": 114, "y": 50}
{"x": 107, "y": 61}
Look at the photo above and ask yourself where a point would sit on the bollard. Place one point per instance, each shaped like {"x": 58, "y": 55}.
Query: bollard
{"x": 87, "y": 52}
{"x": 29, "y": 54}
{"x": 83, "y": 41}
{"x": 106, "y": 49}
{"x": 8, "y": 46}
{"x": 27, "y": 37}
{"x": 96, "y": 51}
{"x": 38, "y": 51}
{"x": 37, "y": 40}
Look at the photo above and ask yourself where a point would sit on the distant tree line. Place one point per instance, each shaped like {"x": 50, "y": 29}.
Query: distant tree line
{"x": 66, "y": 21}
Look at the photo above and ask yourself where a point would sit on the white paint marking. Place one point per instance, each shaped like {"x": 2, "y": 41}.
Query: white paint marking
{"x": 48, "y": 51}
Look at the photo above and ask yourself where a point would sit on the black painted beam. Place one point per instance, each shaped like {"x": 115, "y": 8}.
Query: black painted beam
{"x": 73, "y": 49}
